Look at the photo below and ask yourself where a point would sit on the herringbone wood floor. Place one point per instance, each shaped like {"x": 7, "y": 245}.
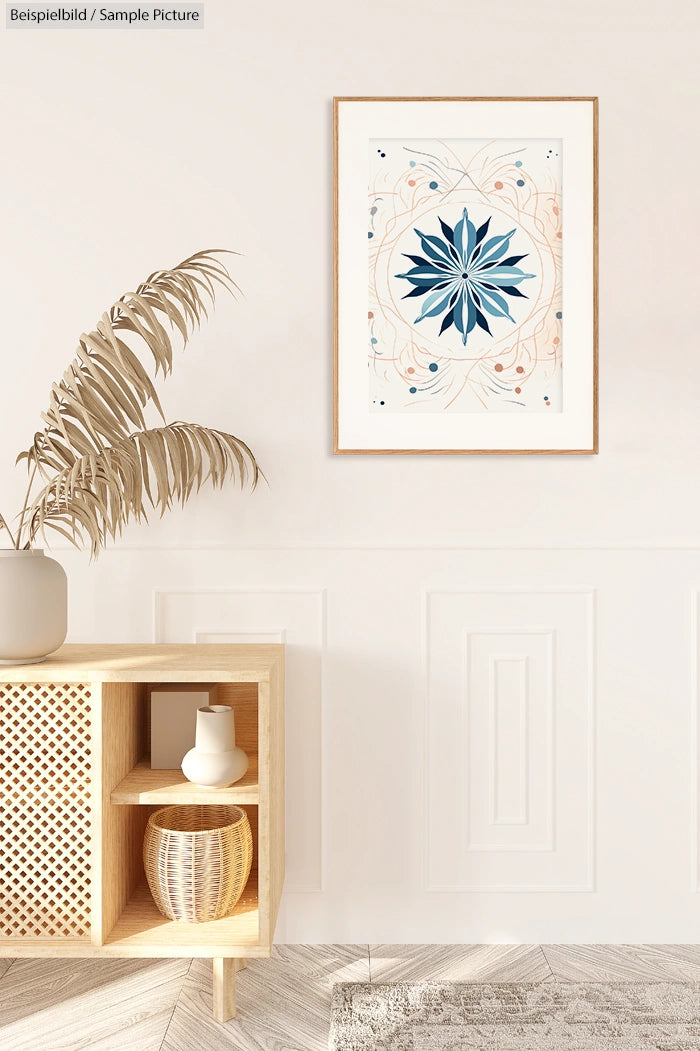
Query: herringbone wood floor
{"x": 283, "y": 1003}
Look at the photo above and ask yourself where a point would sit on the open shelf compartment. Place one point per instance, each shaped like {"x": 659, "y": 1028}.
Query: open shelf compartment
{"x": 143, "y": 785}
{"x": 141, "y": 929}
{"x": 126, "y": 921}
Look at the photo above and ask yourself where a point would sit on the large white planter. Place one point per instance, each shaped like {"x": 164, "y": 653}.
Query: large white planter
{"x": 215, "y": 761}
{"x": 33, "y": 606}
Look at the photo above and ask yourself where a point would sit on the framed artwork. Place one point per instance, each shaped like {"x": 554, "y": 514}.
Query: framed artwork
{"x": 466, "y": 275}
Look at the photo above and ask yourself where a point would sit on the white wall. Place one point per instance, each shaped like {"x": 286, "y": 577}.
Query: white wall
{"x": 127, "y": 151}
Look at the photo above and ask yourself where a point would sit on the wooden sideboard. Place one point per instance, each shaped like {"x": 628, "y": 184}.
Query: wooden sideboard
{"x": 76, "y": 790}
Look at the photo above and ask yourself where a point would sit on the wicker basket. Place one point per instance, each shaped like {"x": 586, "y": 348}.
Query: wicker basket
{"x": 197, "y": 860}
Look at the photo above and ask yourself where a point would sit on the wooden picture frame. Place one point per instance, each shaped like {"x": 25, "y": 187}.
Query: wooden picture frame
{"x": 476, "y": 222}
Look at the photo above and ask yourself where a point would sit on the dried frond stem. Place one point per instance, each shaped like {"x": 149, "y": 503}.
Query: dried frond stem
{"x": 99, "y": 462}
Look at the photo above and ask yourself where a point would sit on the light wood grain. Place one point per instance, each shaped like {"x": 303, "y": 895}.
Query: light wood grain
{"x": 243, "y": 698}
{"x": 47, "y": 1005}
{"x": 683, "y": 960}
{"x": 283, "y": 1004}
{"x": 123, "y": 744}
{"x": 457, "y": 963}
{"x": 68, "y": 948}
{"x": 163, "y": 787}
{"x": 609, "y": 963}
{"x": 32, "y": 986}
{"x": 224, "y": 990}
{"x": 264, "y": 814}
{"x": 142, "y": 931}
{"x": 214, "y": 662}
{"x": 276, "y": 820}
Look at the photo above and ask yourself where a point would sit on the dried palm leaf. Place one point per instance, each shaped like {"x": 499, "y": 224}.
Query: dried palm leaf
{"x": 103, "y": 392}
{"x": 100, "y": 462}
{"x": 94, "y": 497}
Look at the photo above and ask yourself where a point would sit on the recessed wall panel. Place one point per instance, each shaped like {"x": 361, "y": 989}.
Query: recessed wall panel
{"x": 510, "y": 745}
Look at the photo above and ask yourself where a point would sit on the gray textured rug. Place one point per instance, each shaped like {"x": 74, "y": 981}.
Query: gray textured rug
{"x": 549, "y": 1016}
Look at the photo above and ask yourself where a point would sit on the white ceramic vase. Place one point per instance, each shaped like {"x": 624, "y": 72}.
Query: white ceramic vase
{"x": 215, "y": 761}
{"x": 33, "y": 606}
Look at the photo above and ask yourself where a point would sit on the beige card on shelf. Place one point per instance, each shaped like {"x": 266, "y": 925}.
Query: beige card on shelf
{"x": 173, "y": 721}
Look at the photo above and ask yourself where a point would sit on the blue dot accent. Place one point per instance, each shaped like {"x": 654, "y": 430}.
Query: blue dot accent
{"x": 411, "y": 390}
{"x": 433, "y": 367}
{"x": 518, "y": 164}
{"x": 521, "y": 182}
{"x": 546, "y": 398}
{"x": 433, "y": 186}
{"x": 373, "y": 340}
{"x": 411, "y": 164}
{"x": 370, "y": 234}
{"x": 559, "y": 314}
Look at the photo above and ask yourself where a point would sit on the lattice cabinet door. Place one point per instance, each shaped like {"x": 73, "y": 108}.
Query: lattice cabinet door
{"x": 45, "y": 811}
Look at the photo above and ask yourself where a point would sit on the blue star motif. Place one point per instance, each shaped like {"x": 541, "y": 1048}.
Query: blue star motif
{"x": 464, "y": 276}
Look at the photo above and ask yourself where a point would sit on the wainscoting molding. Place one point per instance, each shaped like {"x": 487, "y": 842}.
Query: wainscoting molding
{"x": 298, "y": 618}
{"x": 509, "y": 704}
{"x": 517, "y": 725}
{"x": 695, "y": 741}
{"x": 459, "y": 693}
{"x": 509, "y": 740}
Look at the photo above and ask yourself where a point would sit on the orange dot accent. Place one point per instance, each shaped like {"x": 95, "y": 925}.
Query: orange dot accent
{"x": 548, "y": 404}
{"x": 498, "y": 185}
{"x": 370, "y": 313}
{"x": 411, "y": 370}
{"x": 555, "y": 341}
{"x": 520, "y": 369}
{"x": 498, "y": 367}
{"x": 517, "y": 390}
{"x": 559, "y": 234}
{"x": 411, "y": 182}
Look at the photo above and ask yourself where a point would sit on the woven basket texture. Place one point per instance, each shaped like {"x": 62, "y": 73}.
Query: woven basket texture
{"x": 197, "y": 860}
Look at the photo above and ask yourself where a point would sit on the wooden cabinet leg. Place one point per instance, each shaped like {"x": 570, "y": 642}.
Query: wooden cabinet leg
{"x": 240, "y": 964}
{"x": 224, "y": 988}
